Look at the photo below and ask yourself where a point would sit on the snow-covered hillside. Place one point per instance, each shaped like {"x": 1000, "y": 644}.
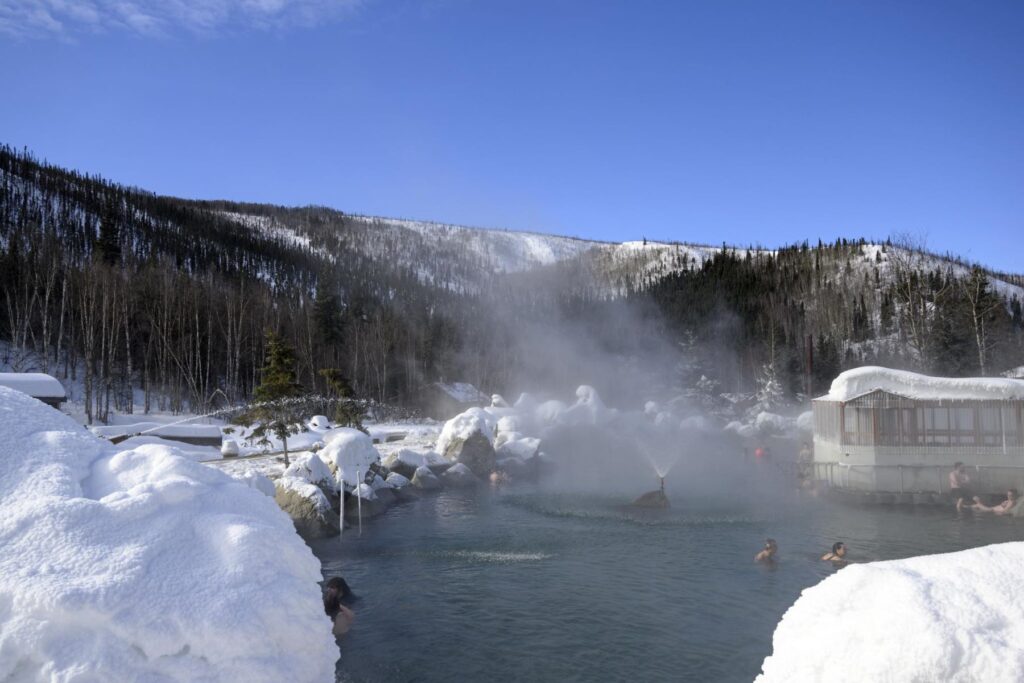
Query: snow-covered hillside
{"x": 459, "y": 257}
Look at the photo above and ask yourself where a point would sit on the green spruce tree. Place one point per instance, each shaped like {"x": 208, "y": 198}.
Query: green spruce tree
{"x": 276, "y": 409}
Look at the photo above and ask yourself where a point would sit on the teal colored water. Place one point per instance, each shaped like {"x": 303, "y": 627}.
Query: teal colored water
{"x": 533, "y": 585}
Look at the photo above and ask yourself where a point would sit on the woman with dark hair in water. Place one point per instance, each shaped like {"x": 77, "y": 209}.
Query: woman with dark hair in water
{"x": 336, "y": 591}
{"x": 838, "y": 554}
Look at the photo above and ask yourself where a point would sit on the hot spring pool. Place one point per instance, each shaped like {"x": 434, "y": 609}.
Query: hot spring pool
{"x": 531, "y": 585}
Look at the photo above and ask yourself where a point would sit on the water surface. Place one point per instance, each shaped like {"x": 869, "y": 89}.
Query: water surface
{"x": 534, "y": 585}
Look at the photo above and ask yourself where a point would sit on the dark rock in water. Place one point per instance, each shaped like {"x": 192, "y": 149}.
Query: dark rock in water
{"x": 652, "y": 499}
{"x": 475, "y": 452}
{"x": 371, "y": 507}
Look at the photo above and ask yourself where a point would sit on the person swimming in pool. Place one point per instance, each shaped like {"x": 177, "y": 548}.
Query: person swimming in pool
{"x": 337, "y": 591}
{"x": 767, "y": 554}
{"x": 838, "y": 554}
{"x": 1004, "y": 508}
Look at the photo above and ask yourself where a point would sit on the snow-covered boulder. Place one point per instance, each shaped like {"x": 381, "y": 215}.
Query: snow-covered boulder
{"x": 86, "y": 528}
{"x": 405, "y": 462}
{"x": 469, "y": 438}
{"x": 313, "y": 470}
{"x": 425, "y": 479}
{"x": 349, "y": 453}
{"x": 459, "y": 475}
{"x": 549, "y": 413}
{"x": 229, "y": 449}
{"x": 522, "y": 447}
{"x": 319, "y": 423}
{"x": 398, "y": 481}
{"x": 952, "y": 617}
{"x": 308, "y": 507}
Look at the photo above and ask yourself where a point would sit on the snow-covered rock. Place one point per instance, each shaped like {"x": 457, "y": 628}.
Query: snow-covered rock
{"x": 319, "y": 423}
{"x": 459, "y": 475}
{"x": 229, "y": 449}
{"x": 312, "y": 469}
{"x": 349, "y": 453}
{"x": 425, "y": 479}
{"x": 406, "y": 461}
{"x": 308, "y": 507}
{"x": 952, "y": 617}
{"x": 120, "y": 565}
{"x": 398, "y": 481}
{"x": 522, "y": 447}
{"x": 468, "y": 438}
{"x": 859, "y": 381}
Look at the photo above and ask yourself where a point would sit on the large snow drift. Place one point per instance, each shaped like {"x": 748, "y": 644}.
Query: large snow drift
{"x": 953, "y": 617}
{"x": 131, "y": 565}
{"x": 859, "y": 381}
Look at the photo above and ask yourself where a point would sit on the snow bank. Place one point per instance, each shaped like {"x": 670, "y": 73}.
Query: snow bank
{"x": 35, "y": 384}
{"x": 122, "y": 564}
{"x": 350, "y": 451}
{"x": 859, "y": 381}
{"x": 953, "y": 617}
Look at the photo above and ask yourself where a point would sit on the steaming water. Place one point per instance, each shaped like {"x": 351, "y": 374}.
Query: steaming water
{"x": 539, "y": 586}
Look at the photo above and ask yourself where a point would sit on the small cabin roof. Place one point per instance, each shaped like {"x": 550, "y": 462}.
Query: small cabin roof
{"x": 462, "y": 392}
{"x": 35, "y": 384}
{"x": 859, "y": 382}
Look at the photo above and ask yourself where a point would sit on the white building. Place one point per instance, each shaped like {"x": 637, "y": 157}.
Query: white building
{"x": 889, "y": 430}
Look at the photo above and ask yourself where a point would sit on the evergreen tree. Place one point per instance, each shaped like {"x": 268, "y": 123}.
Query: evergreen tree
{"x": 276, "y": 409}
{"x": 346, "y": 411}
{"x": 108, "y": 245}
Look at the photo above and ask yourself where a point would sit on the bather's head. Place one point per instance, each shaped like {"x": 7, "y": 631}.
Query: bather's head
{"x": 1011, "y": 495}
{"x": 839, "y": 549}
{"x": 771, "y": 546}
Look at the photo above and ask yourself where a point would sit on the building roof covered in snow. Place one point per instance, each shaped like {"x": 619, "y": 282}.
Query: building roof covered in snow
{"x": 463, "y": 392}
{"x": 35, "y": 384}
{"x": 861, "y": 381}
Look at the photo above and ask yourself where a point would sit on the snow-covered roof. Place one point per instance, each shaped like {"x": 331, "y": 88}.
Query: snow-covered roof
{"x": 463, "y": 392}
{"x": 36, "y": 384}
{"x": 860, "y": 381}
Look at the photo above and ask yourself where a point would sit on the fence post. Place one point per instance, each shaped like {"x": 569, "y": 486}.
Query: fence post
{"x": 901, "y": 477}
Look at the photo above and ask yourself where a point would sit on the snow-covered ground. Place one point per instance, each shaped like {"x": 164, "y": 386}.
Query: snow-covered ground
{"x": 957, "y": 617}
{"x": 124, "y": 563}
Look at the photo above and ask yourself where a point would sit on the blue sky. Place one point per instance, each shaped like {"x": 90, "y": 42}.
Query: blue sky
{"x": 764, "y": 122}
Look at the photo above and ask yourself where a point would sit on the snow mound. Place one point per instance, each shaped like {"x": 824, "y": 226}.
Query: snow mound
{"x": 860, "y": 381}
{"x": 953, "y": 617}
{"x": 131, "y": 564}
{"x": 350, "y": 451}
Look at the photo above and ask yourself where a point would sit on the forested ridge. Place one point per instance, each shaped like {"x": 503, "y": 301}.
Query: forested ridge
{"x": 134, "y": 294}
